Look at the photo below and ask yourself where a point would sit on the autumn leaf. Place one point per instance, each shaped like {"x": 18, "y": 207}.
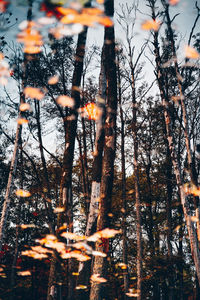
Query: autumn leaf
{"x": 24, "y": 107}
{"x": 190, "y": 52}
{"x": 59, "y": 210}
{"x": 81, "y": 287}
{"x": 35, "y": 93}
{"x": 24, "y": 273}
{"x": 72, "y": 236}
{"x": 173, "y": 2}
{"x": 96, "y": 278}
{"x": 22, "y": 121}
{"x": 22, "y": 193}
{"x": 91, "y": 111}
{"x": 105, "y": 21}
{"x": 25, "y": 226}
{"x": 150, "y": 25}
{"x": 53, "y": 79}
{"x": 65, "y": 101}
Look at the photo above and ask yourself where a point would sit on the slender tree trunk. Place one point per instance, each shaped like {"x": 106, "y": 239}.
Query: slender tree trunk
{"x": 100, "y": 265}
{"x": 169, "y": 225}
{"x": 123, "y": 167}
{"x": 85, "y": 268}
{"x": 48, "y": 207}
{"x": 7, "y": 200}
{"x": 136, "y": 184}
{"x": 138, "y": 209}
{"x": 18, "y": 212}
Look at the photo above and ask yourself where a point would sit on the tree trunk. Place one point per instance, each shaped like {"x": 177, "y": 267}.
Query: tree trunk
{"x": 85, "y": 268}
{"x": 123, "y": 167}
{"x": 100, "y": 265}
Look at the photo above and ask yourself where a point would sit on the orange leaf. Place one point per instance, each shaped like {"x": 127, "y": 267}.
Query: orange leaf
{"x": 58, "y": 210}
{"x": 24, "y": 273}
{"x": 24, "y": 107}
{"x": 173, "y": 2}
{"x": 32, "y": 49}
{"x": 190, "y": 52}
{"x": 53, "y": 79}
{"x": 151, "y": 25}
{"x": 23, "y": 193}
{"x": 66, "y": 11}
{"x": 35, "y": 93}
{"x": 21, "y": 121}
{"x": 92, "y": 111}
{"x": 92, "y": 11}
{"x": 65, "y": 101}
{"x": 106, "y": 21}
{"x": 96, "y": 278}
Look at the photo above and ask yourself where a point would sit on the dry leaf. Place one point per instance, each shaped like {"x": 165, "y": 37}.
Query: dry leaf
{"x": 24, "y": 107}
{"x": 151, "y": 25}
{"x": 190, "y": 52}
{"x": 173, "y": 2}
{"x": 81, "y": 287}
{"x": 25, "y": 226}
{"x": 72, "y": 236}
{"x": 23, "y": 193}
{"x": 35, "y": 93}
{"x": 53, "y": 79}
{"x": 59, "y": 210}
{"x": 65, "y": 101}
{"x": 96, "y": 278}
{"x": 21, "y": 121}
{"x": 24, "y": 273}
{"x": 91, "y": 111}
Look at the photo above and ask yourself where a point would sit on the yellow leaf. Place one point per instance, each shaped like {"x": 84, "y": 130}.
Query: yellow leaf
{"x": 81, "y": 287}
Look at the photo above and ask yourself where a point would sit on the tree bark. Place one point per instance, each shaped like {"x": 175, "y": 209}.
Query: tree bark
{"x": 123, "y": 167}
{"x": 85, "y": 268}
{"x": 97, "y": 292}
